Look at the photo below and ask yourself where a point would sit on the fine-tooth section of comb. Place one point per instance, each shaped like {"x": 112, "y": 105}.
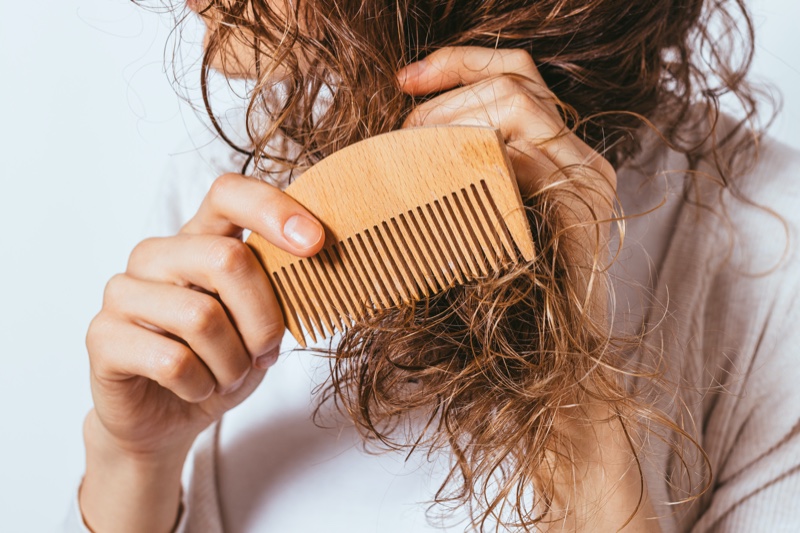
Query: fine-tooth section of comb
{"x": 407, "y": 214}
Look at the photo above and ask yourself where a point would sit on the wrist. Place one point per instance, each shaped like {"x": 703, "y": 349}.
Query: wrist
{"x": 126, "y": 489}
{"x": 158, "y": 455}
{"x": 600, "y": 487}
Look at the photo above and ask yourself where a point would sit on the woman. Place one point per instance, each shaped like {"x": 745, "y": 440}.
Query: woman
{"x": 559, "y": 416}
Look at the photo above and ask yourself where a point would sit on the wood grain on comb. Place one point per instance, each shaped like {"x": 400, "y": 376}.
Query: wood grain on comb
{"x": 407, "y": 214}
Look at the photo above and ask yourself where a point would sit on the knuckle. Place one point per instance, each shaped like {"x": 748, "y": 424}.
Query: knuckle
{"x": 524, "y": 103}
{"x": 173, "y": 365}
{"x": 518, "y": 59}
{"x": 144, "y": 246}
{"x": 605, "y": 167}
{"x": 440, "y": 58}
{"x": 200, "y": 392}
{"x": 270, "y": 337}
{"x": 101, "y": 339}
{"x": 414, "y": 118}
{"x": 98, "y": 329}
{"x": 222, "y": 185}
{"x": 228, "y": 256}
{"x": 606, "y": 170}
{"x": 506, "y": 86}
{"x": 239, "y": 370}
{"x": 114, "y": 291}
{"x": 141, "y": 252}
{"x": 201, "y": 314}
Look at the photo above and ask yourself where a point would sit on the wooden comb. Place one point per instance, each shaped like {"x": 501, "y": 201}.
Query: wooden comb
{"x": 406, "y": 214}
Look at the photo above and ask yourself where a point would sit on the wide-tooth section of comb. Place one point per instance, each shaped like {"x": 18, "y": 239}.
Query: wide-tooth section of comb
{"x": 407, "y": 215}
{"x": 381, "y": 258}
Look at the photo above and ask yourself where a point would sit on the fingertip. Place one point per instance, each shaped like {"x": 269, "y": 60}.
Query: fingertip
{"x": 304, "y": 233}
{"x": 409, "y": 122}
{"x": 410, "y": 73}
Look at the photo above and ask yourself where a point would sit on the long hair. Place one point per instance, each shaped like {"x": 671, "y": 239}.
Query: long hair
{"x": 486, "y": 370}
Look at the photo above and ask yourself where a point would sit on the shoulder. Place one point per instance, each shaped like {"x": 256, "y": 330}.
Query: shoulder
{"x": 752, "y": 248}
{"x": 721, "y": 233}
{"x": 762, "y": 207}
{"x": 739, "y": 223}
{"x": 739, "y": 231}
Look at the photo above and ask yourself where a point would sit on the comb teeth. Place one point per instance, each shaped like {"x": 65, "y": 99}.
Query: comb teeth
{"x": 408, "y": 257}
{"x": 407, "y": 214}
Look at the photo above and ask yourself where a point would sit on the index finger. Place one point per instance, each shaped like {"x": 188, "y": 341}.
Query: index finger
{"x": 235, "y": 202}
{"x": 452, "y": 66}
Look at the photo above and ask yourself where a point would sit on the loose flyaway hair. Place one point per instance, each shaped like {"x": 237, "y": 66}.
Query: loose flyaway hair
{"x": 496, "y": 371}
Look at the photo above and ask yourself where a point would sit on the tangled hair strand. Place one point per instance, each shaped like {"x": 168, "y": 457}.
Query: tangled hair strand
{"x": 489, "y": 370}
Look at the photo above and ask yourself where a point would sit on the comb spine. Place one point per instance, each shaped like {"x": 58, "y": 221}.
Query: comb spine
{"x": 516, "y": 220}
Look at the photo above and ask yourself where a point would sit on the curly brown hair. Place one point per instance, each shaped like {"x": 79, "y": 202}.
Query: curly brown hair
{"x": 490, "y": 367}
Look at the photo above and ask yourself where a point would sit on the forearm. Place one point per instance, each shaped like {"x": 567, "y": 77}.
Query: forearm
{"x": 582, "y": 218}
{"x": 585, "y": 254}
{"x": 124, "y": 492}
{"x": 597, "y": 481}
{"x": 617, "y": 495}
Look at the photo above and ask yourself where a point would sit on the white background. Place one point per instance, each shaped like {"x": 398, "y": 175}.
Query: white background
{"x": 87, "y": 120}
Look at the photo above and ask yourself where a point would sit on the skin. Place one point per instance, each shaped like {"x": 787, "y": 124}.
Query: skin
{"x": 189, "y": 330}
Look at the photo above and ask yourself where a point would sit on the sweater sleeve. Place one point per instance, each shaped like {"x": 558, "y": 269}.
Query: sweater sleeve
{"x": 74, "y": 523}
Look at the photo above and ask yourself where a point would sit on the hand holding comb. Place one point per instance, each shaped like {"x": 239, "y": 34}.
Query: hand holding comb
{"x": 407, "y": 214}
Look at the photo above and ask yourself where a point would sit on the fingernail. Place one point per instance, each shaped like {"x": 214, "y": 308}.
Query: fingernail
{"x": 412, "y": 70}
{"x": 302, "y": 231}
{"x": 266, "y": 361}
